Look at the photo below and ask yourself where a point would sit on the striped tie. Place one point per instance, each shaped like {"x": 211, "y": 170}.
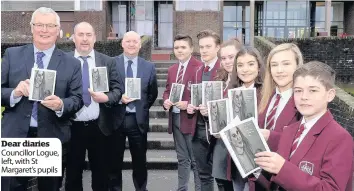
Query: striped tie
{"x": 180, "y": 75}
{"x": 271, "y": 117}
{"x": 297, "y": 137}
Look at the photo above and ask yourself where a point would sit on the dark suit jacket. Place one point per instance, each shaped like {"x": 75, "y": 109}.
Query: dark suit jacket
{"x": 107, "y": 119}
{"x": 323, "y": 160}
{"x": 186, "y": 125}
{"x": 16, "y": 66}
{"x": 147, "y": 73}
{"x": 288, "y": 116}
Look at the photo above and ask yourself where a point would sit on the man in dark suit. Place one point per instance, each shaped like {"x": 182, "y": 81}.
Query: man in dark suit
{"x": 50, "y": 118}
{"x": 95, "y": 120}
{"x": 134, "y": 114}
{"x": 178, "y": 122}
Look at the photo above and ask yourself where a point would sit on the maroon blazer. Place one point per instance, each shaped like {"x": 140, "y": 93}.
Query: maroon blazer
{"x": 288, "y": 116}
{"x": 197, "y": 80}
{"x": 188, "y": 79}
{"x": 323, "y": 160}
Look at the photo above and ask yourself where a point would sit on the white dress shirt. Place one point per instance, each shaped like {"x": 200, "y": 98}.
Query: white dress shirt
{"x": 212, "y": 63}
{"x": 185, "y": 64}
{"x": 308, "y": 125}
{"x": 93, "y": 110}
{"x": 251, "y": 86}
{"x": 284, "y": 98}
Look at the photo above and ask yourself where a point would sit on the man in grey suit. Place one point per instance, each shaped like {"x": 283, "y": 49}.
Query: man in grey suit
{"x": 50, "y": 118}
{"x": 95, "y": 120}
{"x": 135, "y": 121}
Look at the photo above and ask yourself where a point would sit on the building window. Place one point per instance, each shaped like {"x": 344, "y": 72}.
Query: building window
{"x": 211, "y": 5}
{"x": 337, "y": 16}
{"x": 90, "y": 5}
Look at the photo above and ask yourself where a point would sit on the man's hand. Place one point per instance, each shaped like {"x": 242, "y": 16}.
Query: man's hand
{"x": 265, "y": 133}
{"x": 98, "y": 97}
{"x": 203, "y": 110}
{"x": 167, "y": 104}
{"x": 191, "y": 109}
{"x": 270, "y": 161}
{"x": 125, "y": 99}
{"x": 182, "y": 105}
{"x": 22, "y": 89}
{"x": 53, "y": 102}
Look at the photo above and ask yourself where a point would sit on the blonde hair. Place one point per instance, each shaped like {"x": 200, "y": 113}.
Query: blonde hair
{"x": 268, "y": 83}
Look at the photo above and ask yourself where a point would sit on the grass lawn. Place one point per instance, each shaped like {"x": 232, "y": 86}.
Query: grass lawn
{"x": 350, "y": 90}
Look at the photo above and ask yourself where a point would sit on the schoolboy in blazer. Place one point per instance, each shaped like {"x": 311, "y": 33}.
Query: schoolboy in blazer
{"x": 178, "y": 122}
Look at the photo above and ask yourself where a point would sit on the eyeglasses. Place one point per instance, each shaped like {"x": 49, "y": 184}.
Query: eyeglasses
{"x": 41, "y": 26}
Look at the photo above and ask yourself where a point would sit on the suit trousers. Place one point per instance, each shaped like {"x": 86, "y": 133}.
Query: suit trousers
{"x": 43, "y": 183}
{"x": 204, "y": 163}
{"x": 137, "y": 146}
{"x": 87, "y": 136}
{"x": 186, "y": 160}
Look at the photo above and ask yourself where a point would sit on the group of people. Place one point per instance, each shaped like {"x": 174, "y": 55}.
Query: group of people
{"x": 81, "y": 117}
{"x": 309, "y": 149}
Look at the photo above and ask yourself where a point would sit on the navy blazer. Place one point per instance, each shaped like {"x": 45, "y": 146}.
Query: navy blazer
{"x": 146, "y": 71}
{"x": 15, "y": 67}
{"x": 106, "y": 118}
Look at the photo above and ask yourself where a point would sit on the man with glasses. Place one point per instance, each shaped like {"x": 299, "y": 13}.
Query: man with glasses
{"x": 23, "y": 118}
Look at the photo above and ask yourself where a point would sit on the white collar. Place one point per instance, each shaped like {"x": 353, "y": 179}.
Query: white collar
{"x": 185, "y": 63}
{"x": 91, "y": 54}
{"x": 309, "y": 124}
{"x": 251, "y": 86}
{"x": 212, "y": 63}
{"x": 286, "y": 95}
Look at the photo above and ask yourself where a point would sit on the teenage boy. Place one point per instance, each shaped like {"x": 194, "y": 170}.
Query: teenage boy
{"x": 315, "y": 153}
{"x": 209, "y": 45}
{"x": 179, "y": 124}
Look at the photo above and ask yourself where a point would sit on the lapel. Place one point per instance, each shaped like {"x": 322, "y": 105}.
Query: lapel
{"x": 140, "y": 68}
{"x": 98, "y": 61}
{"x": 54, "y": 60}
{"x": 121, "y": 68}
{"x": 199, "y": 74}
{"x": 215, "y": 69}
{"x": 174, "y": 71}
{"x": 287, "y": 144}
{"x": 29, "y": 59}
{"x": 310, "y": 138}
{"x": 287, "y": 115}
{"x": 189, "y": 70}
{"x": 261, "y": 117}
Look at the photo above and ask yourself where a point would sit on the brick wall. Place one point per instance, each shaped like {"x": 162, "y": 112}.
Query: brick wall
{"x": 342, "y": 107}
{"x": 15, "y": 25}
{"x": 334, "y": 51}
{"x": 349, "y": 17}
{"x": 191, "y": 22}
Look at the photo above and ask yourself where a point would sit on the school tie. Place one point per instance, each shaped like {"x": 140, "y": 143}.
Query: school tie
{"x": 297, "y": 137}
{"x": 206, "y": 69}
{"x": 130, "y": 75}
{"x": 271, "y": 117}
{"x": 40, "y": 65}
{"x": 180, "y": 75}
{"x": 85, "y": 82}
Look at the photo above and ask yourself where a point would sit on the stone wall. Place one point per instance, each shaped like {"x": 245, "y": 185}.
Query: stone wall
{"x": 342, "y": 107}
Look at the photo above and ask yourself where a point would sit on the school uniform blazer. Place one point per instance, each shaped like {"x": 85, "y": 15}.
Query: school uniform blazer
{"x": 322, "y": 161}
{"x": 197, "y": 80}
{"x": 288, "y": 116}
{"x": 188, "y": 78}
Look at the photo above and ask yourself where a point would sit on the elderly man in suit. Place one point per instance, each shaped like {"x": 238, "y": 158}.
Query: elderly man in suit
{"x": 95, "y": 121}
{"x": 134, "y": 114}
{"x": 50, "y": 118}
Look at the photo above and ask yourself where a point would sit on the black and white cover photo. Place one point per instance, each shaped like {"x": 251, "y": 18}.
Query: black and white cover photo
{"x": 99, "y": 79}
{"x": 176, "y": 92}
{"x": 243, "y": 103}
{"x": 243, "y": 140}
{"x": 218, "y": 115}
{"x": 42, "y": 84}
{"x": 132, "y": 88}
{"x": 211, "y": 90}
{"x": 196, "y": 94}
